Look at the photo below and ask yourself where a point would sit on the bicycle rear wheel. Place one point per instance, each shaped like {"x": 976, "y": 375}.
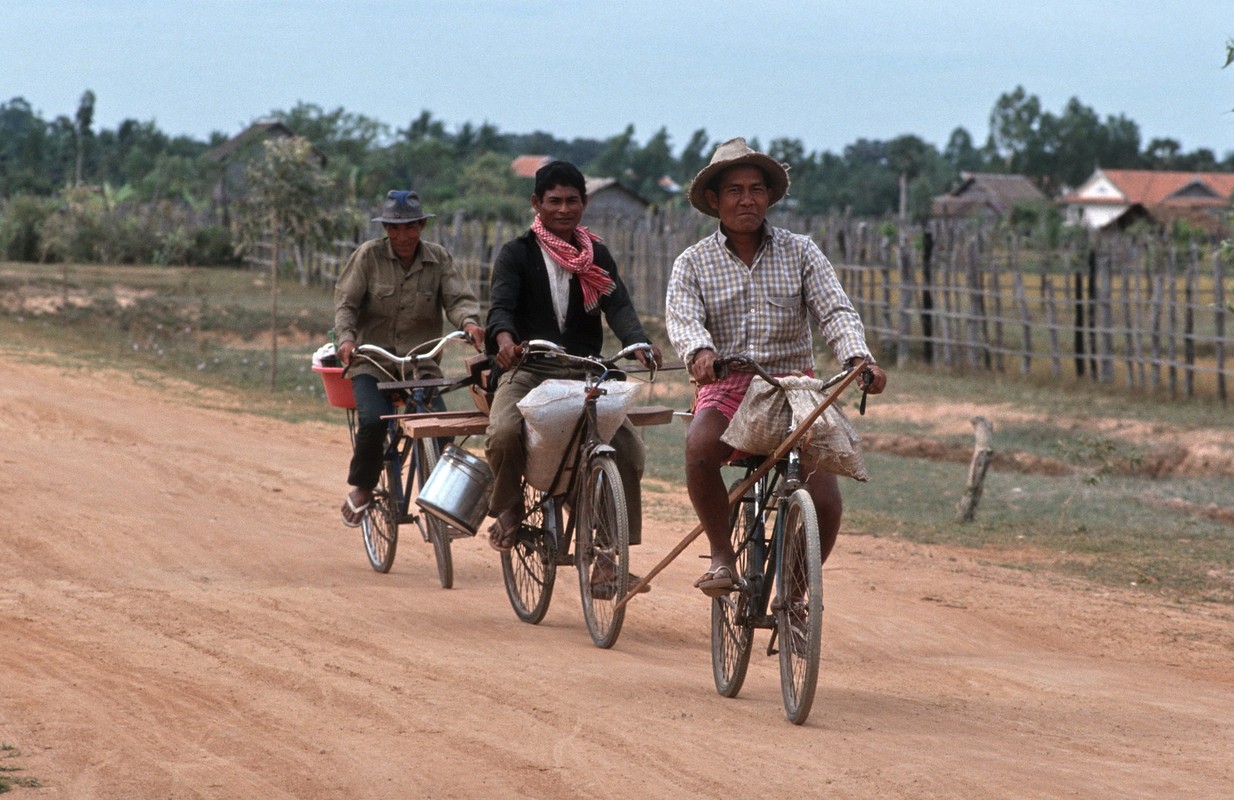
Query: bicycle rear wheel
{"x": 799, "y": 618}
{"x": 379, "y": 526}
{"x": 732, "y": 631}
{"x": 530, "y": 567}
{"x": 434, "y": 530}
{"x": 602, "y": 550}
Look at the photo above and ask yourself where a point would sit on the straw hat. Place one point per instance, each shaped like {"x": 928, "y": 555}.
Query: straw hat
{"x": 402, "y": 206}
{"x": 732, "y": 153}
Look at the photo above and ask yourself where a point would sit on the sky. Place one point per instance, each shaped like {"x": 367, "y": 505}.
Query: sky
{"x": 825, "y": 73}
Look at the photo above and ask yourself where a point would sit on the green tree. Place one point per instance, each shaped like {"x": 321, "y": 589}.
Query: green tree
{"x": 618, "y": 154}
{"x": 906, "y": 156}
{"x": 694, "y": 156}
{"x": 290, "y": 197}
{"x": 489, "y": 189}
{"x": 1014, "y": 125}
{"x": 82, "y": 130}
{"x": 961, "y": 153}
{"x": 650, "y": 163}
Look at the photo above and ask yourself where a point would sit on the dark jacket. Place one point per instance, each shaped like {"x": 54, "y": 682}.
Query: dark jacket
{"x": 521, "y": 302}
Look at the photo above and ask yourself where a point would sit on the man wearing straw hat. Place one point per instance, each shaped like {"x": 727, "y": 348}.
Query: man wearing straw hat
{"x": 392, "y": 293}
{"x": 751, "y": 289}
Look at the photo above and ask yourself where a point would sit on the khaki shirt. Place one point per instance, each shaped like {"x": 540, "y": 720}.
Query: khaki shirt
{"x": 379, "y": 301}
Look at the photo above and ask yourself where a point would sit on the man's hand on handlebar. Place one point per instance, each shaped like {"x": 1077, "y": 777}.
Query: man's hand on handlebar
{"x": 345, "y": 351}
{"x": 509, "y": 352}
{"x": 647, "y": 359}
{"x": 475, "y": 334}
{"x": 702, "y": 366}
{"x": 872, "y": 379}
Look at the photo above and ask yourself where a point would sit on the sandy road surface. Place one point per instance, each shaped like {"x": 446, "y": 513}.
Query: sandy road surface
{"x": 182, "y": 616}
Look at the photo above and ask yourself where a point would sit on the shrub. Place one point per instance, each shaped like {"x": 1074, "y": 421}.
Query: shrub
{"x": 20, "y": 223}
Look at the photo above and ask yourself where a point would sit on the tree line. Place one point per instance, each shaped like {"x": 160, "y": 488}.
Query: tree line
{"x": 159, "y": 188}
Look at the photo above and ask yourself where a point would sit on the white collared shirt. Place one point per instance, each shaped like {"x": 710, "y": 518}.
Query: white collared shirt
{"x": 559, "y": 284}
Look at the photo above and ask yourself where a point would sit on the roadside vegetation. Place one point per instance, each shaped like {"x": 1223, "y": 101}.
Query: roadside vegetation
{"x": 10, "y": 777}
{"x": 1087, "y": 483}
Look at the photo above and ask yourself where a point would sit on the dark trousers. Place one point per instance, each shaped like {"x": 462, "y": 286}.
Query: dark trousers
{"x": 367, "y": 454}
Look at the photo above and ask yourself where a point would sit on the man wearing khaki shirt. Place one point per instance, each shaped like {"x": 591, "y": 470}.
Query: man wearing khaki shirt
{"x": 392, "y": 293}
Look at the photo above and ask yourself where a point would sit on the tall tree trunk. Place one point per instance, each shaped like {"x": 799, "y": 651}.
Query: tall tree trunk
{"x": 274, "y": 307}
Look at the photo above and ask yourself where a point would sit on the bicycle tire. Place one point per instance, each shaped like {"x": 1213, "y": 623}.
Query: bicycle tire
{"x": 529, "y": 569}
{"x": 800, "y": 620}
{"x": 433, "y": 529}
{"x": 603, "y": 533}
{"x": 379, "y": 527}
{"x": 732, "y": 629}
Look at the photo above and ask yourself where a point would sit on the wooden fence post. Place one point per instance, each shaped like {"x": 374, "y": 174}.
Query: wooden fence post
{"x": 1219, "y": 313}
{"x": 983, "y": 452}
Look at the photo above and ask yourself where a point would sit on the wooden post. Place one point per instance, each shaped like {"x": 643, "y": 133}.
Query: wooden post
{"x": 1026, "y": 356}
{"x": 1219, "y": 306}
{"x": 1051, "y": 321}
{"x": 907, "y": 292}
{"x": 983, "y": 452}
{"x": 927, "y": 297}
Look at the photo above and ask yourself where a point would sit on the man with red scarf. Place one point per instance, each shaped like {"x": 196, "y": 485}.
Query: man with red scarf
{"x": 554, "y": 282}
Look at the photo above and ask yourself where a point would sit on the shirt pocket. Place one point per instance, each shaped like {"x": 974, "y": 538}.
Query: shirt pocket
{"x": 785, "y": 317}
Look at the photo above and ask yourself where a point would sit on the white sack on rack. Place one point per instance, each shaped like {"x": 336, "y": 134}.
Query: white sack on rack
{"x": 552, "y": 410}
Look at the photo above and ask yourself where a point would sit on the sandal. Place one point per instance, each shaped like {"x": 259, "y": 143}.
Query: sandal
{"x": 502, "y": 536}
{"x": 718, "y": 582}
{"x": 353, "y": 514}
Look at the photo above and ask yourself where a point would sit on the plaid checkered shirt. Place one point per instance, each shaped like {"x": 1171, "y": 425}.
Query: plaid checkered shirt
{"x": 716, "y": 301}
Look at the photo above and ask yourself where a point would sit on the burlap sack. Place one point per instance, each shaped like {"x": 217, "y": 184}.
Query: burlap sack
{"x": 762, "y": 422}
{"x": 550, "y": 413}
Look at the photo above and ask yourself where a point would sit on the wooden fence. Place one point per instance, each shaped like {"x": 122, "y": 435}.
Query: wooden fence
{"x": 1142, "y": 313}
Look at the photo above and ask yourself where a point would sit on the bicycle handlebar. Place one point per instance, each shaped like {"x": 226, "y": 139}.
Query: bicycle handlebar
{"x": 438, "y": 345}
{"x": 547, "y": 348}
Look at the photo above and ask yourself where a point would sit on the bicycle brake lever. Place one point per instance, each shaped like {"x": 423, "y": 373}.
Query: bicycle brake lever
{"x": 867, "y": 376}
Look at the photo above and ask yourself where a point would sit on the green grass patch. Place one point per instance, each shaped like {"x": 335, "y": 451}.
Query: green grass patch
{"x": 9, "y": 777}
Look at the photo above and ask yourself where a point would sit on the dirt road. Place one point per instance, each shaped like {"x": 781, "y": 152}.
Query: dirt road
{"x": 183, "y": 616}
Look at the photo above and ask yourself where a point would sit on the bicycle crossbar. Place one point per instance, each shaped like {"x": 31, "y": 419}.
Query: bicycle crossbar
{"x": 768, "y": 463}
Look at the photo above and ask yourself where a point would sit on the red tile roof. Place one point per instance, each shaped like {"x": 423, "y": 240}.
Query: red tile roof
{"x": 1152, "y": 187}
{"x": 526, "y": 166}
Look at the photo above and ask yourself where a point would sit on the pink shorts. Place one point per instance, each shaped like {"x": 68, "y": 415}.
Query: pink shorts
{"x": 726, "y": 395}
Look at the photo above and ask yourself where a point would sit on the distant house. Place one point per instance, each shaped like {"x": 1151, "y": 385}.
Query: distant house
{"x": 235, "y": 155}
{"x": 607, "y": 198}
{"x": 1116, "y": 198}
{"x": 526, "y": 166}
{"x": 985, "y": 194}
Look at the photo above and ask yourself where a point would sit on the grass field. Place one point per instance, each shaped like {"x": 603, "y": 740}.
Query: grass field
{"x": 1103, "y": 514}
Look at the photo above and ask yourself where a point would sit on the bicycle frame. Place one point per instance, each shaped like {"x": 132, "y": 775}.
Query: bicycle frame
{"x": 583, "y": 446}
{"x": 769, "y": 493}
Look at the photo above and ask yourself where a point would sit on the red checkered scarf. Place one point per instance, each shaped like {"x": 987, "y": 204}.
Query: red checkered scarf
{"x": 579, "y": 259}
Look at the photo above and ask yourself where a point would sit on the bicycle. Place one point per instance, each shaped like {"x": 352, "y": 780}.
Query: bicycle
{"x": 780, "y": 586}
{"x": 588, "y": 511}
{"x": 393, "y": 495}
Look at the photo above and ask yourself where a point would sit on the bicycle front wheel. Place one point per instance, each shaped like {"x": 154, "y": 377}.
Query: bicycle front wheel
{"x": 379, "y": 527}
{"x": 530, "y": 567}
{"x": 732, "y": 630}
{"x": 602, "y": 550}
{"x": 799, "y": 617}
{"x": 433, "y": 529}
